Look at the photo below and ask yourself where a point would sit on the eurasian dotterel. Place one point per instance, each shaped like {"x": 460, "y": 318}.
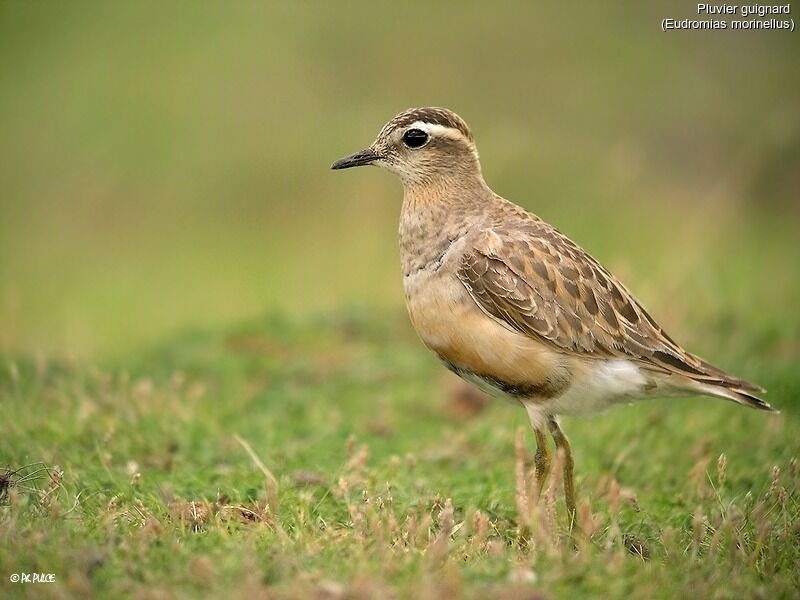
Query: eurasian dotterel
{"x": 512, "y": 305}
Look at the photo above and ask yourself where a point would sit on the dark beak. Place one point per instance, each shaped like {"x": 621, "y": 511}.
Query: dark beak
{"x": 360, "y": 158}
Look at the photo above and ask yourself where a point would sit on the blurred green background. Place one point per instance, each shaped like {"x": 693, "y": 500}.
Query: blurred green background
{"x": 165, "y": 165}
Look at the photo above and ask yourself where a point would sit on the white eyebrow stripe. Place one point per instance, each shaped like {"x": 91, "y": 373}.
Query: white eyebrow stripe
{"x": 435, "y": 128}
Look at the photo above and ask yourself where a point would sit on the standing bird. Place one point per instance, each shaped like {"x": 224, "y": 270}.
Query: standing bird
{"x": 512, "y": 305}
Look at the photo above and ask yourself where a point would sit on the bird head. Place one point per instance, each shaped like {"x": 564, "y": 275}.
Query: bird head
{"x": 421, "y": 145}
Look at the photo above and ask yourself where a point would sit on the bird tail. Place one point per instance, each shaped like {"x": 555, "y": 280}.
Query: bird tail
{"x": 741, "y": 396}
{"x": 701, "y": 377}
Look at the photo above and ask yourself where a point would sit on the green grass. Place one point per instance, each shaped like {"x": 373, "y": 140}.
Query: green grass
{"x": 389, "y": 478}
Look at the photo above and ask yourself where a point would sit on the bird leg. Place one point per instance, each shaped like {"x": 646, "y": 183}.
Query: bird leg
{"x": 543, "y": 457}
{"x": 542, "y": 460}
{"x": 562, "y": 443}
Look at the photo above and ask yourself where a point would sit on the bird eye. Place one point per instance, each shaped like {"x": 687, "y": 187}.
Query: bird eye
{"x": 415, "y": 138}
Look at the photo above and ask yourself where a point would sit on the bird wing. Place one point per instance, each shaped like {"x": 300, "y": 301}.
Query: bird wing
{"x": 538, "y": 282}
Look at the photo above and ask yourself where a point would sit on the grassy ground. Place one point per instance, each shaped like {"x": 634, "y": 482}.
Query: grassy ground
{"x": 334, "y": 458}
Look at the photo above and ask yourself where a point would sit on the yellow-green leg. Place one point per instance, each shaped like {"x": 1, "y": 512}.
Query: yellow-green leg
{"x": 542, "y": 460}
{"x": 562, "y": 442}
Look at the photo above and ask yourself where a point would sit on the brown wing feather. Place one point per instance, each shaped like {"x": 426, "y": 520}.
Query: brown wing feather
{"x": 540, "y": 283}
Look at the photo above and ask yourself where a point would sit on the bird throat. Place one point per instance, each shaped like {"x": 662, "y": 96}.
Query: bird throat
{"x": 432, "y": 217}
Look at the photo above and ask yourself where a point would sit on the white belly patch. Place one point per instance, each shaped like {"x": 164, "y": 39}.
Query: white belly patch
{"x": 598, "y": 385}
